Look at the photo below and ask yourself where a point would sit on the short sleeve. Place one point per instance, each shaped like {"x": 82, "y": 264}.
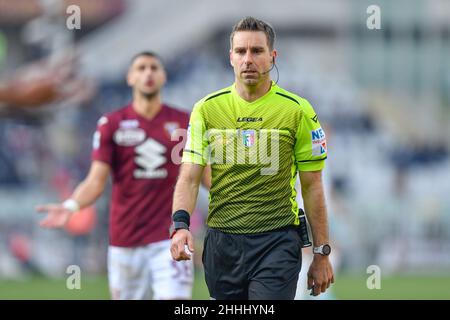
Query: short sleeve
{"x": 102, "y": 142}
{"x": 310, "y": 145}
{"x": 196, "y": 142}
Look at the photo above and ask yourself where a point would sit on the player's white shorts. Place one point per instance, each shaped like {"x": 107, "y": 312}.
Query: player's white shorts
{"x": 148, "y": 272}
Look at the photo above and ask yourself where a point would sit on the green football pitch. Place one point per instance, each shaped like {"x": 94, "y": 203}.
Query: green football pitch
{"x": 346, "y": 287}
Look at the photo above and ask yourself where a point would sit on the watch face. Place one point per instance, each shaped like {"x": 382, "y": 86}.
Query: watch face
{"x": 326, "y": 249}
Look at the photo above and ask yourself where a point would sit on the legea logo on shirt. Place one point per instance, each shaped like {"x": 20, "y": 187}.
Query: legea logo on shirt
{"x": 129, "y": 137}
{"x": 319, "y": 143}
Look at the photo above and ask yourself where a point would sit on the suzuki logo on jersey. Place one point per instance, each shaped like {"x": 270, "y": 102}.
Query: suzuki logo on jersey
{"x": 248, "y": 119}
{"x": 150, "y": 156}
{"x": 319, "y": 144}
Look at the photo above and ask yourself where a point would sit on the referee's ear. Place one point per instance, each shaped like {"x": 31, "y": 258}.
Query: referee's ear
{"x": 274, "y": 55}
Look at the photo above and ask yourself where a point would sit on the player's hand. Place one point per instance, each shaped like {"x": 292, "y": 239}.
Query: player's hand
{"x": 320, "y": 275}
{"x": 57, "y": 215}
{"x": 32, "y": 93}
{"x": 177, "y": 248}
{"x": 47, "y": 81}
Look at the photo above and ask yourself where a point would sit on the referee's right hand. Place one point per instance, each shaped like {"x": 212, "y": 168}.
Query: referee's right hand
{"x": 180, "y": 239}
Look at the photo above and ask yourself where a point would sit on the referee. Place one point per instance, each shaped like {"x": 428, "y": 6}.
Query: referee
{"x": 256, "y": 136}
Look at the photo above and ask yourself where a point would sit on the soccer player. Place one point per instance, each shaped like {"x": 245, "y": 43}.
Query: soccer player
{"x": 134, "y": 145}
{"x": 252, "y": 248}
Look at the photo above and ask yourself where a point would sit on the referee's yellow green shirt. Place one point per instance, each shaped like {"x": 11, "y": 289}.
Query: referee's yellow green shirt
{"x": 255, "y": 150}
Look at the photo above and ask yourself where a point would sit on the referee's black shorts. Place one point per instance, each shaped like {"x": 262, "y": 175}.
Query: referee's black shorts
{"x": 261, "y": 266}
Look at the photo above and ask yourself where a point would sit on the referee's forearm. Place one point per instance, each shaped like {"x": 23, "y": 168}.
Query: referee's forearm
{"x": 315, "y": 208}
{"x": 186, "y": 189}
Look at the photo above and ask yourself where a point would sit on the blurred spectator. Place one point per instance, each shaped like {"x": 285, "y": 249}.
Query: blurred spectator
{"x": 42, "y": 83}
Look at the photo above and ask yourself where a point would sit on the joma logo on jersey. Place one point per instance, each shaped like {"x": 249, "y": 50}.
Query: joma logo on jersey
{"x": 247, "y": 119}
{"x": 150, "y": 156}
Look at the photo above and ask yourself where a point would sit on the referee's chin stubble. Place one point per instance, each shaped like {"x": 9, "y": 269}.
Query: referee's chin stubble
{"x": 251, "y": 78}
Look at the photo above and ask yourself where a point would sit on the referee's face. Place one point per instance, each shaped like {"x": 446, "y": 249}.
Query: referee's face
{"x": 251, "y": 57}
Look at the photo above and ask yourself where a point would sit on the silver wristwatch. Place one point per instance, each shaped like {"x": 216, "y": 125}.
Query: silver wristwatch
{"x": 323, "y": 250}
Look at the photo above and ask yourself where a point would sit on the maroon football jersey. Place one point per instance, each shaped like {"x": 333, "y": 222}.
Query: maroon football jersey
{"x": 139, "y": 152}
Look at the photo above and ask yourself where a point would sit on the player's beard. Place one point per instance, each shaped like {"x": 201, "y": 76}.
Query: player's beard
{"x": 149, "y": 95}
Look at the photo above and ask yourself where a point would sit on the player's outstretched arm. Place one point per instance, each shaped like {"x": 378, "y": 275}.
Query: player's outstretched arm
{"x": 185, "y": 197}
{"x": 320, "y": 274}
{"x": 43, "y": 82}
{"x": 84, "y": 195}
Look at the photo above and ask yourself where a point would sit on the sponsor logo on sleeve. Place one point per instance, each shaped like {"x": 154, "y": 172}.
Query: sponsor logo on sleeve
{"x": 103, "y": 120}
{"x": 319, "y": 143}
{"x": 96, "y": 140}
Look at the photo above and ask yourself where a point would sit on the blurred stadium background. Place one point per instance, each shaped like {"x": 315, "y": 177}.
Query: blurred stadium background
{"x": 383, "y": 97}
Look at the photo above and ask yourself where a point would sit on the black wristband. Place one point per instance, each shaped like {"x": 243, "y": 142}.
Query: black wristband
{"x": 182, "y": 216}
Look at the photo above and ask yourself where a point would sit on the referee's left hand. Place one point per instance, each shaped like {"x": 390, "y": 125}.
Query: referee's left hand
{"x": 320, "y": 275}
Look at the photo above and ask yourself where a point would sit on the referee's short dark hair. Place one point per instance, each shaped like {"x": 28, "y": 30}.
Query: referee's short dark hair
{"x": 253, "y": 24}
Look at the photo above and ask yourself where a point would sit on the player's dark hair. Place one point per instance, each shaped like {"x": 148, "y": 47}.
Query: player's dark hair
{"x": 146, "y": 54}
{"x": 253, "y": 24}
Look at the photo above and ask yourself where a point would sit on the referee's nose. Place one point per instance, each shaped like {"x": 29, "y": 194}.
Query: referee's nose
{"x": 248, "y": 59}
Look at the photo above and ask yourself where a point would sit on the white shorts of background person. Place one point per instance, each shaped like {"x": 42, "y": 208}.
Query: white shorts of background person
{"x": 148, "y": 272}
